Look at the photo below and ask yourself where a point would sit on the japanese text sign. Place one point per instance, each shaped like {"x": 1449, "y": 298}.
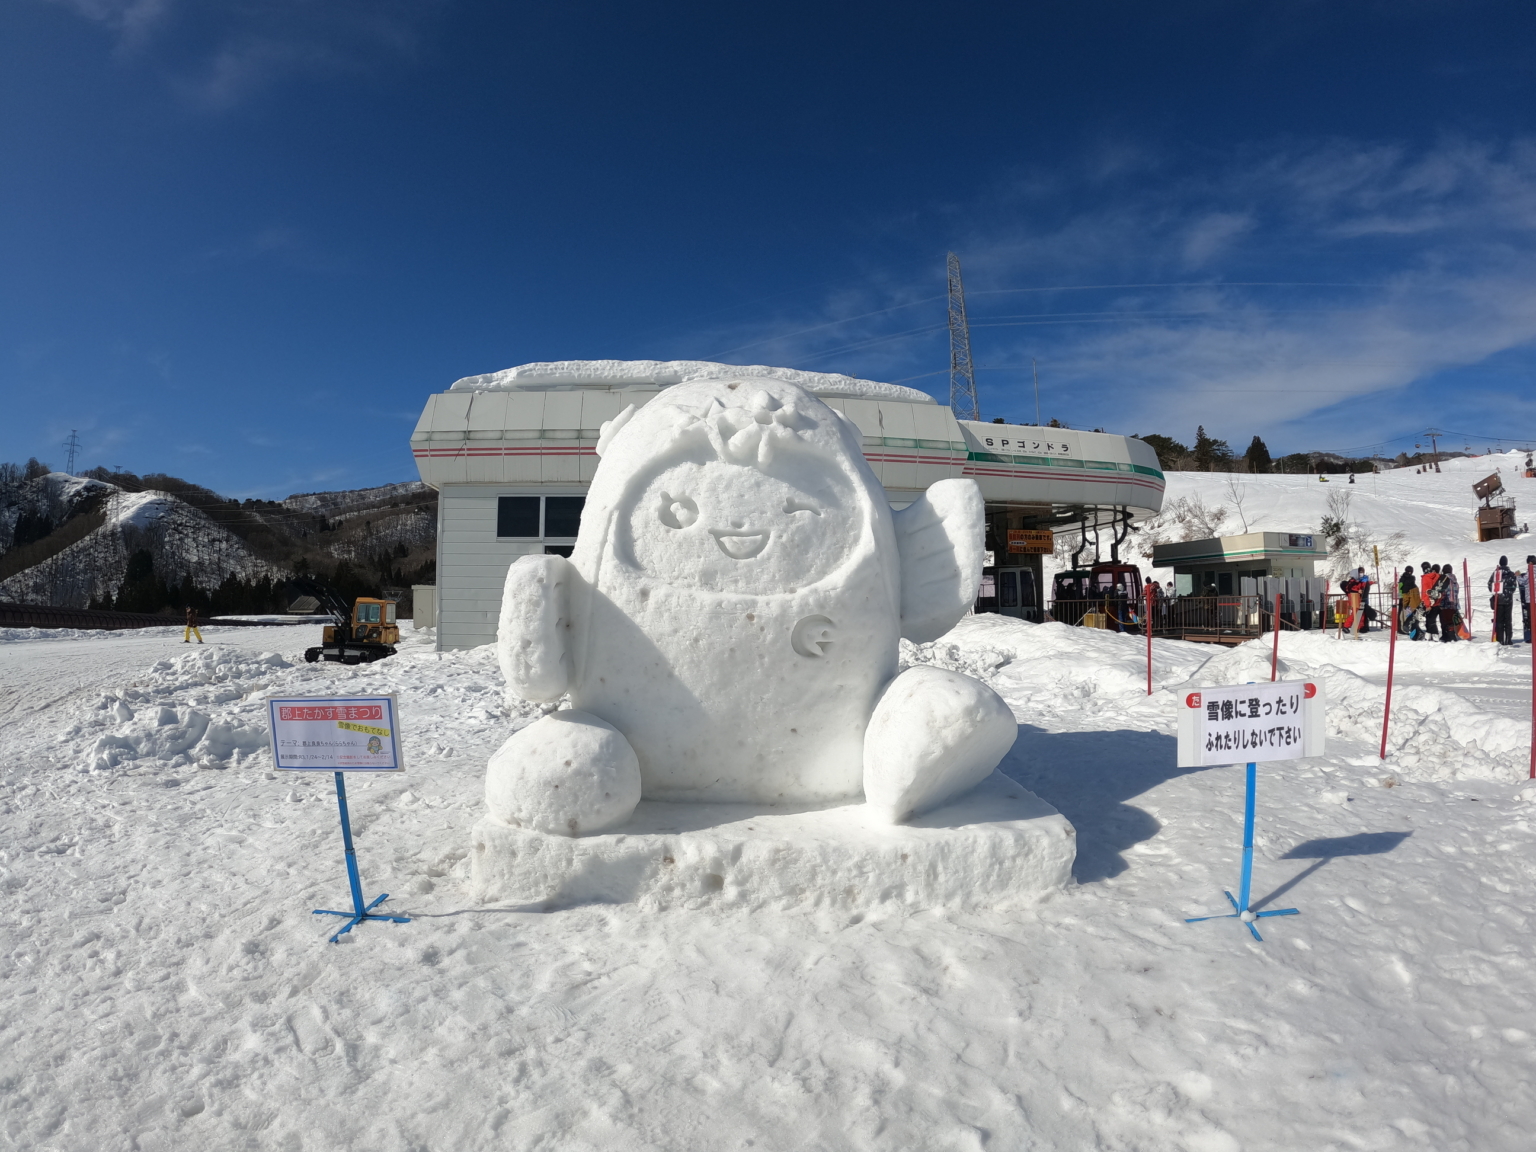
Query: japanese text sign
{"x": 1248, "y": 723}
{"x": 1031, "y": 542}
{"x": 335, "y": 734}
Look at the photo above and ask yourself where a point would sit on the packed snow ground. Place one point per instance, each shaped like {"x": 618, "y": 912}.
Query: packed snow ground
{"x": 165, "y": 985}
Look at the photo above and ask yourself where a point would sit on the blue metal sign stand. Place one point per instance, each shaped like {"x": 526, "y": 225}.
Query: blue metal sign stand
{"x": 1240, "y": 909}
{"x": 359, "y": 913}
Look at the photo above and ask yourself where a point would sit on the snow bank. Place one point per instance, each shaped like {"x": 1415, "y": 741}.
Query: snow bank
{"x": 572, "y": 373}
{"x": 1091, "y": 677}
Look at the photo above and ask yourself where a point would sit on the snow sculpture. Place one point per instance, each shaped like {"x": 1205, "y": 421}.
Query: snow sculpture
{"x": 727, "y": 625}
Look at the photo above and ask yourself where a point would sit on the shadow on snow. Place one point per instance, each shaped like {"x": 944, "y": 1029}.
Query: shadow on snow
{"x": 1088, "y": 777}
{"x": 1330, "y": 848}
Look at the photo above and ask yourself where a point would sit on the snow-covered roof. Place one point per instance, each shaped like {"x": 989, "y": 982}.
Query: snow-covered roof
{"x": 556, "y": 374}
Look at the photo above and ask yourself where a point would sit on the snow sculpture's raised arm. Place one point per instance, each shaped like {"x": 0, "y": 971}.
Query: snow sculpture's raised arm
{"x": 532, "y": 640}
{"x": 940, "y": 538}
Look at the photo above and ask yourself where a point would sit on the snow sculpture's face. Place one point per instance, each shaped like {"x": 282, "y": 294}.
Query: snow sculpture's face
{"x": 753, "y": 528}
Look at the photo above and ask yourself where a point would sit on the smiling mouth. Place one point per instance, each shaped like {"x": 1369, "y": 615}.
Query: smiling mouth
{"x": 740, "y": 545}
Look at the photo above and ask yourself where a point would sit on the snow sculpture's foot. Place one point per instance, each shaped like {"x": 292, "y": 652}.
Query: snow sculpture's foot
{"x": 934, "y": 735}
{"x": 569, "y": 774}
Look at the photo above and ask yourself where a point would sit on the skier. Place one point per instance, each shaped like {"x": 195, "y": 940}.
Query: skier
{"x": 1502, "y": 584}
{"x": 191, "y": 629}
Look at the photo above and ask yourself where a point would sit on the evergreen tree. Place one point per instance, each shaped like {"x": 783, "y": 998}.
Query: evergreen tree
{"x": 1203, "y": 455}
{"x": 1169, "y": 451}
{"x": 1211, "y": 454}
{"x": 1258, "y": 456}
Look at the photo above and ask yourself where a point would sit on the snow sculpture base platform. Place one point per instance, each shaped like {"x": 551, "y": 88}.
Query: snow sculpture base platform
{"x": 998, "y": 847}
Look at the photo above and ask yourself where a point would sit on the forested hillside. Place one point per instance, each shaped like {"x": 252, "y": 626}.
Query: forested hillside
{"x": 159, "y": 543}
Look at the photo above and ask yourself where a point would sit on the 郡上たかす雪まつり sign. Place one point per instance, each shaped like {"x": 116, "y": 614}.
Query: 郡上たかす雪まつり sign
{"x": 335, "y": 734}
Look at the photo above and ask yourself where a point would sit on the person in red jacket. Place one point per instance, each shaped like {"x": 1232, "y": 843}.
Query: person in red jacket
{"x": 1427, "y": 583}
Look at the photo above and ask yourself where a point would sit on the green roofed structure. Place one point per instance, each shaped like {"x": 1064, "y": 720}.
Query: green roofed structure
{"x": 1222, "y": 563}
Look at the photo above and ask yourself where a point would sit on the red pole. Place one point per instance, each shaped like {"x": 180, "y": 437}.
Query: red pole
{"x": 1147, "y": 616}
{"x": 1466, "y": 591}
{"x": 1274, "y": 660}
{"x": 1391, "y": 658}
{"x": 1530, "y": 597}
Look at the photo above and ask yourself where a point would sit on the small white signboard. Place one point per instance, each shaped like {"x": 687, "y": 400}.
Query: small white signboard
{"x": 335, "y": 733}
{"x": 1250, "y": 723}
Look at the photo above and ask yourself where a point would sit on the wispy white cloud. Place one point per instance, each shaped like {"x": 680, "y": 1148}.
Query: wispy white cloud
{"x": 1277, "y": 289}
{"x": 133, "y": 22}
{"x": 278, "y": 244}
{"x": 216, "y": 56}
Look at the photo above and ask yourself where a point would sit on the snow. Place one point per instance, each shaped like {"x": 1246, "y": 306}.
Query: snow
{"x": 620, "y": 373}
{"x": 139, "y": 509}
{"x": 1411, "y": 516}
{"x": 165, "y": 985}
{"x": 997, "y": 847}
{"x": 732, "y": 613}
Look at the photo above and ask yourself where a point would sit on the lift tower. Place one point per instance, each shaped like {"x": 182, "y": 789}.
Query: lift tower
{"x": 962, "y": 373}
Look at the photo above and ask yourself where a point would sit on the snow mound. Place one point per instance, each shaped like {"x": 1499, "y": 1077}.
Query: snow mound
{"x": 1091, "y": 677}
{"x": 618, "y": 373}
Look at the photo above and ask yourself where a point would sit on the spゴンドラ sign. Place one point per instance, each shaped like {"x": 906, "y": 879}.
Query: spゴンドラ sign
{"x": 335, "y": 734}
{"x": 1244, "y": 723}
{"x": 339, "y": 734}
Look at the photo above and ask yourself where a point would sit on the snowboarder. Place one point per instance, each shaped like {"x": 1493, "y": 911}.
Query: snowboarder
{"x": 1447, "y": 590}
{"x": 1427, "y": 581}
{"x": 191, "y": 629}
{"x": 1408, "y": 603}
{"x": 1525, "y": 597}
{"x": 1361, "y": 602}
{"x": 1502, "y": 584}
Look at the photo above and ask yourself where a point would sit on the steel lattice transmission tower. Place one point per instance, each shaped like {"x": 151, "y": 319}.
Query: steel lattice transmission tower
{"x": 962, "y": 373}
{"x": 73, "y": 444}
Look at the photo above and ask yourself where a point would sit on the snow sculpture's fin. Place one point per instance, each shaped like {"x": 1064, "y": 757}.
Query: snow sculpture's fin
{"x": 940, "y": 538}
{"x": 610, "y": 428}
{"x": 535, "y": 617}
{"x": 934, "y": 735}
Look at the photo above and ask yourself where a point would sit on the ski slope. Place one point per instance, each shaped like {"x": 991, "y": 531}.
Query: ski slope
{"x": 1434, "y": 512}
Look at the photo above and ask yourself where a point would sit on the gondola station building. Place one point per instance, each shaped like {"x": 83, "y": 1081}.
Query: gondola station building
{"x": 512, "y": 454}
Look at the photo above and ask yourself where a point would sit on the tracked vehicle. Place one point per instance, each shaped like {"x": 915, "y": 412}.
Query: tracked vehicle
{"x": 366, "y": 633}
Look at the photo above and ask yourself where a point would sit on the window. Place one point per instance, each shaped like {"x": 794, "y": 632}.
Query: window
{"x": 1008, "y": 596}
{"x": 517, "y": 516}
{"x": 368, "y": 613}
{"x": 538, "y": 517}
{"x": 562, "y": 515}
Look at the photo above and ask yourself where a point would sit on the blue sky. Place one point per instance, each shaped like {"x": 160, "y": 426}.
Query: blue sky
{"x": 242, "y": 241}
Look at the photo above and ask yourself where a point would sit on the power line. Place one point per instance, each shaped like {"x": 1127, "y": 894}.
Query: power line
{"x": 73, "y": 444}
{"x": 1195, "y": 284}
{"x": 828, "y": 324}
